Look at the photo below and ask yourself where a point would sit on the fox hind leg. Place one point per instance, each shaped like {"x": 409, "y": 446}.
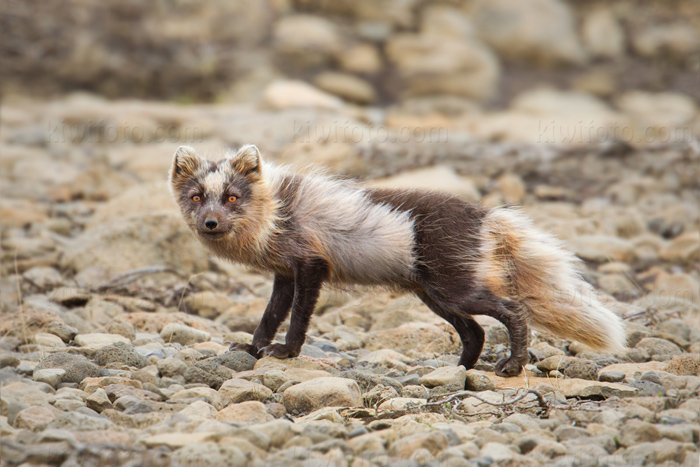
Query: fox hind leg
{"x": 483, "y": 302}
{"x": 470, "y": 332}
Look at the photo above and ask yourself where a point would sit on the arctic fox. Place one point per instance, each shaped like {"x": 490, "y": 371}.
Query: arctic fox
{"x": 460, "y": 259}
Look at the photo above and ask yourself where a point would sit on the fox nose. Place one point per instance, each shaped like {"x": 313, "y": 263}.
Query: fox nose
{"x": 211, "y": 224}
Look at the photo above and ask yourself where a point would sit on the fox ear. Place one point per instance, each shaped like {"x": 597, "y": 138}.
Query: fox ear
{"x": 247, "y": 160}
{"x": 185, "y": 163}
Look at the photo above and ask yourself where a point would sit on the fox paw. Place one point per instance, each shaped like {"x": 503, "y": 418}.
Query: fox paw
{"x": 249, "y": 348}
{"x": 509, "y": 367}
{"x": 280, "y": 351}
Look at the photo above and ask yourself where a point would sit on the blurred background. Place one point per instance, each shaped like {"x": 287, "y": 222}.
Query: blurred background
{"x": 586, "y": 113}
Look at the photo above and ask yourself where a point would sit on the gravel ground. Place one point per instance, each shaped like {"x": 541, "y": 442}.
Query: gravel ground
{"x": 114, "y": 322}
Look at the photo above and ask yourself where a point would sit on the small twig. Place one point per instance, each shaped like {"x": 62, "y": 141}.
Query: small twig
{"x": 135, "y": 274}
{"x": 459, "y": 395}
{"x": 184, "y": 289}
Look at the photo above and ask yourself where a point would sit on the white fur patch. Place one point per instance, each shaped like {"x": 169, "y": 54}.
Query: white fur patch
{"x": 367, "y": 243}
{"x": 214, "y": 182}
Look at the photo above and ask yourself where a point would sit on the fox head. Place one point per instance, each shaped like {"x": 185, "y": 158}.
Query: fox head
{"x": 219, "y": 199}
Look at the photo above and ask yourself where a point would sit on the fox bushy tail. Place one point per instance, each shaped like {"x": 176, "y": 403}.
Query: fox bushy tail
{"x": 531, "y": 267}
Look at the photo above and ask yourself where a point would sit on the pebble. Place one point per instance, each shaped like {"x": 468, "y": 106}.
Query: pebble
{"x": 96, "y": 341}
{"x": 119, "y": 352}
{"x": 611, "y": 376}
{"x": 322, "y": 392}
{"x": 444, "y": 376}
{"x": 62, "y": 330}
{"x": 76, "y": 367}
{"x": 476, "y": 380}
{"x": 50, "y": 376}
{"x": 184, "y": 335}
{"x": 244, "y": 412}
{"x": 240, "y": 390}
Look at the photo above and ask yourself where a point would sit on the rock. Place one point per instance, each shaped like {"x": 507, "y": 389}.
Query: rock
{"x": 498, "y": 452}
{"x": 362, "y": 58}
{"x": 636, "y": 431}
{"x": 446, "y": 21}
{"x": 240, "y": 390}
{"x": 686, "y": 364}
{"x": 98, "y": 401}
{"x": 50, "y": 376}
{"x": 244, "y": 412}
{"x": 77, "y": 367}
{"x": 512, "y": 188}
{"x": 122, "y": 329}
{"x": 440, "y": 177}
{"x": 46, "y": 339}
{"x": 182, "y": 334}
{"x": 236, "y": 360}
{"x": 679, "y": 40}
{"x": 7, "y": 360}
{"x": 282, "y": 95}
{"x": 658, "y": 347}
{"x": 570, "y": 387}
{"x": 658, "y": 111}
{"x": 171, "y": 366}
{"x": 210, "y": 454}
{"x": 683, "y": 249}
{"x": 178, "y": 440}
{"x": 611, "y": 376}
{"x": 208, "y": 395}
{"x": 207, "y": 372}
{"x": 525, "y": 422}
{"x": 367, "y": 443}
{"x": 602, "y": 248}
{"x": 401, "y": 403}
{"x": 445, "y": 375}
{"x": 312, "y": 351}
{"x": 306, "y": 39}
{"x": 542, "y": 32}
{"x": 570, "y": 366}
{"x": 387, "y": 358}
{"x": 124, "y": 244}
{"x": 378, "y": 394}
{"x": 322, "y": 392}
{"x": 416, "y": 339}
{"x": 277, "y": 431}
{"x": 618, "y": 284}
{"x": 434, "y": 442}
{"x": 348, "y": 87}
{"x": 664, "y": 452}
{"x": 208, "y": 304}
{"x": 77, "y": 421}
{"x": 367, "y": 381}
{"x": 98, "y": 340}
{"x": 478, "y": 381}
{"x": 120, "y": 352}
{"x": 43, "y": 277}
{"x": 34, "y": 418}
{"x": 199, "y": 409}
{"x": 69, "y": 296}
{"x": 602, "y": 33}
{"x": 430, "y": 65}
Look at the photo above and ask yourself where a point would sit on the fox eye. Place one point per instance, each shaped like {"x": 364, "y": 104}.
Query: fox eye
{"x": 196, "y": 198}
{"x": 231, "y": 199}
